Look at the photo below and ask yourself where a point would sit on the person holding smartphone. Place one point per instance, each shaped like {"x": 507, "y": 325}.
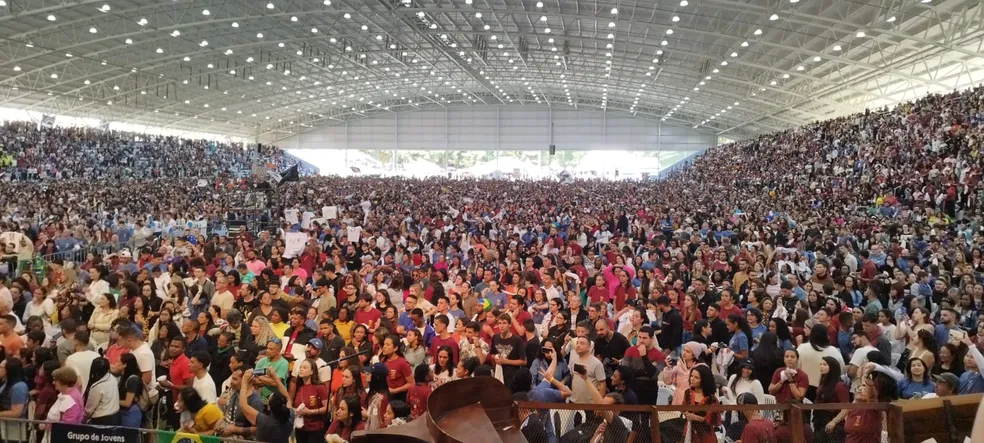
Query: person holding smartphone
{"x": 589, "y": 368}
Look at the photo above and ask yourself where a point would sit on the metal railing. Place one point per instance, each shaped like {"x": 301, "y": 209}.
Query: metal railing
{"x": 23, "y": 430}
{"x": 659, "y": 424}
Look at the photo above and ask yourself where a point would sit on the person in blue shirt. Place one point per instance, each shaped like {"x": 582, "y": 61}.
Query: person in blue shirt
{"x": 972, "y": 380}
{"x": 496, "y": 298}
{"x": 948, "y": 321}
{"x": 754, "y": 318}
{"x": 13, "y": 392}
{"x": 917, "y": 380}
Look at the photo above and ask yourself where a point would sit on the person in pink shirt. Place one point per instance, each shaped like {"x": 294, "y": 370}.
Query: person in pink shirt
{"x": 69, "y": 406}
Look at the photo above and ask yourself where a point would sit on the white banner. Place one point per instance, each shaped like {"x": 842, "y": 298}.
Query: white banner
{"x": 291, "y": 216}
{"x": 306, "y": 218}
{"x": 200, "y": 225}
{"x": 354, "y": 233}
{"x": 294, "y": 246}
{"x": 329, "y": 212}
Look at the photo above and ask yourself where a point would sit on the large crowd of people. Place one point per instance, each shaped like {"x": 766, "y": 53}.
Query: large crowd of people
{"x": 837, "y": 262}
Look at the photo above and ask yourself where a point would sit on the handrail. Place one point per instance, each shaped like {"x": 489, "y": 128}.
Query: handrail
{"x": 28, "y": 422}
{"x": 795, "y": 413}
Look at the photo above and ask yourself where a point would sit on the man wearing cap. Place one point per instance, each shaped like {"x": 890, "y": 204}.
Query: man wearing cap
{"x": 947, "y": 384}
{"x": 126, "y": 263}
{"x": 312, "y": 351}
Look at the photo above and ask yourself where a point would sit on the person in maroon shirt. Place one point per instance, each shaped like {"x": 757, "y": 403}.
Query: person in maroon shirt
{"x": 758, "y": 429}
{"x": 789, "y": 383}
{"x": 518, "y": 314}
{"x": 420, "y": 391}
{"x": 367, "y": 315}
{"x": 400, "y": 378}
{"x": 727, "y": 304}
{"x": 643, "y": 355}
{"x": 442, "y": 338}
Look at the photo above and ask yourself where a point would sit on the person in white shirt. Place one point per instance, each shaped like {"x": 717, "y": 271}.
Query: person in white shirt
{"x": 41, "y": 305}
{"x": 203, "y": 383}
{"x": 102, "y": 395}
{"x": 81, "y": 359}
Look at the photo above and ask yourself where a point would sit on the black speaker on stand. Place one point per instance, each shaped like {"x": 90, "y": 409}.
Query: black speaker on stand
{"x": 553, "y": 149}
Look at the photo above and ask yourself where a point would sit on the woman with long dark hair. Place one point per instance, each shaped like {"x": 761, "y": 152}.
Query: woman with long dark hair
{"x": 350, "y": 386}
{"x": 812, "y": 352}
{"x": 347, "y": 418}
{"x": 102, "y": 395}
{"x": 130, "y": 387}
{"x": 767, "y": 357}
{"x": 831, "y": 390}
{"x": 700, "y": 425}
{"x": 443, "y": 368}
{"x": 917, "y": 381}
{"x": 14, "y": 398}
{"x": 377, "y": 398}
{"x": 312, "y": 394}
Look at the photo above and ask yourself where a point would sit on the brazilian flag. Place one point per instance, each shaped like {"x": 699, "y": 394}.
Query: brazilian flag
{"x": 183, "y": 437}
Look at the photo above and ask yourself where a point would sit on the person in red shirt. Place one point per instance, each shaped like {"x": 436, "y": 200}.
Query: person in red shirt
{"x": 442, "y": 338}
{"x": 400, "y": 378}
{"x": 789, "y": 384}
{"x": 420, "y": 391}
{"x": 598, "y": 292}
{"x": 313, "y": 394}
{"x": 367, "y": 315}
{"x": 758, "y": 429}
{"x": 644, "y": 351}
{"x": 518, "y": 314}
{"x": 727, "y": 304}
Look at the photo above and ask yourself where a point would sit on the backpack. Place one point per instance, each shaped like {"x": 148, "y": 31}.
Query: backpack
{"x": 148, "y": 397}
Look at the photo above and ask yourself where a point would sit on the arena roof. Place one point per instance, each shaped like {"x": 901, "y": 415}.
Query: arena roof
{"x": 273, "y": 67}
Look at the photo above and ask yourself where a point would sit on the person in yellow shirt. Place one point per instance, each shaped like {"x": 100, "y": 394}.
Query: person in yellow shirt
{"x": 205, "y": 416}
{"x": 277, "y": 322}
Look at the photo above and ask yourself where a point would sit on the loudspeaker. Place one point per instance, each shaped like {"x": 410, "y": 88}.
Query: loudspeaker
{"x": 553, "y": 149}
{"x": 259, "y": 148}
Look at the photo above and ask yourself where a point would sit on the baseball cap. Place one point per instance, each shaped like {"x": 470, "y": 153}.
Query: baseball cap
{"x": 316, "y": 342}
{"x": 948, "y": 378}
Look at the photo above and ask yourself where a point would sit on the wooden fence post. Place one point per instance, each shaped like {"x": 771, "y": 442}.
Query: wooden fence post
{"x": 796, "y": 423}
{"x": 895, "y": 424}
{"x": 654, "y": 425}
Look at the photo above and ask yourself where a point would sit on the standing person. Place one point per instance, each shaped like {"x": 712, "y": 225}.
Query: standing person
{"x": 83, "y": 357}
{"x": 234, "y": 423}
{"x": 400, "y": 378}
{"x": 274, "y": 360}
{"x": 866, "y": 425}
{"x": 420, "y": 391}
{"x": 179, "y": 376}
{"x": 102, "y": 318}
{"x": 347, "y": 419}
{"x": 789, "y": 383}
{"x": 507, "y": 350}
{"x": 203, "y": 383}
{"x": 757, "y": 429}
{"x": 700, "y": 425}
{"x": 377, "y": 398}
{"x": 102, "y": 395}
{"x": 831, "y": 390}
{"x": 810, "y": 354}
{"x": 130, "y": 388}
{"x": 14, "y": 398}
{"x": 671, "y": 330}
{"x": 277, "y": 426}
{"x": 68, "y": 407}
{"x": 310, "y": 402}
{"x": 583, "y": 363}
{"x": 204, "y": 417}
{"x": 441, "y": 338}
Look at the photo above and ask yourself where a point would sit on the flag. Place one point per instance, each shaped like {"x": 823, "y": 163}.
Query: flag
{"x": 290, "y": 175}
{"x": 182, "y": 437}
{"x": 274, "y": 176}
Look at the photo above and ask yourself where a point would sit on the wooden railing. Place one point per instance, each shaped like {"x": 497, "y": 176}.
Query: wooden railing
{"x": 906, "y": 421}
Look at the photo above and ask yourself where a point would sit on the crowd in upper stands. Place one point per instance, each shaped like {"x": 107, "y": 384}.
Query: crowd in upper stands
{"x": 837, "y": 262}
